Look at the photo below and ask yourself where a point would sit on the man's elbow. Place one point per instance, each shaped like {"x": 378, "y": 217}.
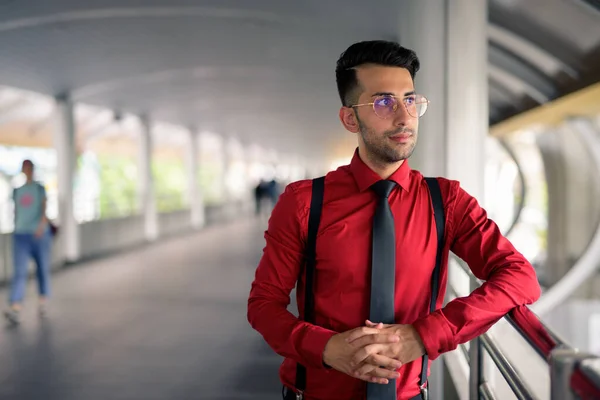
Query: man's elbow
{"x": 534, "y": 291}
{"x": 533, "y": 288}
{"x": 257, "y": 306}
{"x": 252, "y": 311}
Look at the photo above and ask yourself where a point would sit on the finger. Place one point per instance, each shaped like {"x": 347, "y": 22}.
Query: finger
{"x": 361, "y": 355}
{"x": 374, "y": 325}
{"x": 363, "y": 369}
{"x": 378, "y": 373}
{"x": 370, "y": 376}
{"x": 379, "y": 337}
{"x": 379, "y": 325}
{"x": 373, "y": 379}
{"x": 360, "y": 332}
{"x": 380, "y": 361}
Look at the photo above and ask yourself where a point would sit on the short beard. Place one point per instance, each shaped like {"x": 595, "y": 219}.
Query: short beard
{"x": 378, "y": 149}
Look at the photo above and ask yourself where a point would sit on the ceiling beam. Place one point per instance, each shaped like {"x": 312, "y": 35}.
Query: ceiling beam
{"x": 526, "y": 73}
{"x": 583, "y": 103}
{"x": 533, "y": 32}
{"x": 516, "y": 84}
{"x": 526, "y": 50}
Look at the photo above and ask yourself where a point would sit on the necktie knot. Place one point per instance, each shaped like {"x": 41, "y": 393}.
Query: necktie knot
{"x": 383, "y": 188}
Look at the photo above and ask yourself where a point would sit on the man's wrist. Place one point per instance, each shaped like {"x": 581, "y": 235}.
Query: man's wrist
{"x": 324, "y": 356}
{"x": 419, "y": 340}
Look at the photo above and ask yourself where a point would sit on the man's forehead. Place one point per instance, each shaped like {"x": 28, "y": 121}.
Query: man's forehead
{"x": 376, "y": 77}
{"x": 371, "y": 71}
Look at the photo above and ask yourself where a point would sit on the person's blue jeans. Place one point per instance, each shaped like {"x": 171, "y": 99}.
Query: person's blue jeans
{"x": 25, "y": 247}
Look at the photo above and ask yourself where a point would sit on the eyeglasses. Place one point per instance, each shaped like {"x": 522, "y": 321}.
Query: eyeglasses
{"x": 386, "y": 106}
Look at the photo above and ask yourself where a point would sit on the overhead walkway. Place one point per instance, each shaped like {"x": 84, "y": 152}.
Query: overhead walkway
{"x": 138, "y": 140}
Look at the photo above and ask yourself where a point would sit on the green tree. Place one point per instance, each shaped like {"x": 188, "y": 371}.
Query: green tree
{"x": 170, "y": 184}
{"x": 118, "y": 192}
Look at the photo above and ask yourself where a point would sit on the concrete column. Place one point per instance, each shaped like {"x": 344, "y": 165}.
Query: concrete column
{"x": 467, "y": 94}
{"x": 453, "y": 76}
{"x": 195, "y": 194}
{"x": 64, "y": 141}
{"x": 226, "y": 193}
{"x": 423, "y": 28}
{"x": 226, "y": 163}
{"x": 146, "y": 181}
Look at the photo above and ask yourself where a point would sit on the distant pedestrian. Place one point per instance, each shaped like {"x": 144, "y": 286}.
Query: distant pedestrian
{"x": 32, "y": 239}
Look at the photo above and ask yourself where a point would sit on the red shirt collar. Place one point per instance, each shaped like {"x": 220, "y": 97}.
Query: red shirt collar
{"x": 365, "y": 177}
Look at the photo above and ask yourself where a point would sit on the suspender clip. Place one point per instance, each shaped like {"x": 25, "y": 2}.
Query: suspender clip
{"x": 424, "y": 392}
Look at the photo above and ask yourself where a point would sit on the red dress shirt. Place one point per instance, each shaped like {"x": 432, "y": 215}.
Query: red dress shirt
{"x": 342, "y": 279}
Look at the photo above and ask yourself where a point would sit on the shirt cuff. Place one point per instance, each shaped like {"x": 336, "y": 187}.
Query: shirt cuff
{"x": 435, "y": 334}
{"x": 313, "y": 345}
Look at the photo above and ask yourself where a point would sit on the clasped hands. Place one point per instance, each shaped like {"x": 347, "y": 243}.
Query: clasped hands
{"x": 373, "y": 352}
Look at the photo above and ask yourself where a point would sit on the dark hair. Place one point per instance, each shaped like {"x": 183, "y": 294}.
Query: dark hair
{"x": 378, "y": 52}
{"x": 28, "y": 163}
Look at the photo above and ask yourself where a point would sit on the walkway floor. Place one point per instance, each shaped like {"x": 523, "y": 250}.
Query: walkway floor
{"x": 162, "y": 322}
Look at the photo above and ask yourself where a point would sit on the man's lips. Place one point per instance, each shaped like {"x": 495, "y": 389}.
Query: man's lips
{"x": 403, "y": 137}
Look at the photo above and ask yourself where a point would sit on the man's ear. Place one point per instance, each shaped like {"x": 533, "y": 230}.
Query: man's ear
{"x": 349, "y": 120}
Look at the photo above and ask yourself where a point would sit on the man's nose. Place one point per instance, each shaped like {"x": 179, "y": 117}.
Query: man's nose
{"x": 401, "y": 116}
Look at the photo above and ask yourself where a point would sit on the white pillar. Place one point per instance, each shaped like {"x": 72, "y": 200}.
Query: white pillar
{"x": 64, "y": 142}
{"x": 146, "y": 181}
{"x": 195, "y": 194}
{"x": 227, "y": 160}
{"x": 467, "y": 97}
{"x": 423, "y": 29}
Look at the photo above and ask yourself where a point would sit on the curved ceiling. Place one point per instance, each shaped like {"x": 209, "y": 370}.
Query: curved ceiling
{"x": 263, "y": 71}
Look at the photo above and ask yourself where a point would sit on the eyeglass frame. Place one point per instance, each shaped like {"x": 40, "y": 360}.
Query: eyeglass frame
{"x": 401, "y": 99}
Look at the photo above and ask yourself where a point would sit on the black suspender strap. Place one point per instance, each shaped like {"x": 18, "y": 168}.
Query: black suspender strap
{"x": 316, "y": 204}
{"x": 438, "y": 210}
{"x": 314, "y": 218}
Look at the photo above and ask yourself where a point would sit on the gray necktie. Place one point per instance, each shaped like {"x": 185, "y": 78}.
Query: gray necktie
{"x": 383, "y": 276}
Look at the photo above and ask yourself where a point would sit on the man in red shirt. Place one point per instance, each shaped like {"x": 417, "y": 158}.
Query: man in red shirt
{"x": 342, "y": 350}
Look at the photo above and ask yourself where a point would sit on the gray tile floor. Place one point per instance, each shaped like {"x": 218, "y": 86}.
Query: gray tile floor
{"x": 162, "y": 322}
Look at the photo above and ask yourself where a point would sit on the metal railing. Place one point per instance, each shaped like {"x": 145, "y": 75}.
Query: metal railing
{"x": 573, "y": 375}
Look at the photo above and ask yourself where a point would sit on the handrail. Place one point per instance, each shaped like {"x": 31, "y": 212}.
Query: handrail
{"x": 582, "y": 379}
{"x": 514, "y": 380}
{"x": 533, "y": 330}
{"x": 591, "y": 369}
{"x": 585, "y": 380}
{"x": 486, "y": 392}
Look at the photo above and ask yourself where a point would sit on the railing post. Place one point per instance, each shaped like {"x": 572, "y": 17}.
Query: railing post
{"x": 562, "y": 363}
{"x": 476, "y": 368}
{"x": 476, "y": 377}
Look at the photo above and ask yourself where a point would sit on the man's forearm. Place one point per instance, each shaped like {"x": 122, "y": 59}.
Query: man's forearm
{"x": 465, "y": 318}
{"x": 287, "y": 335}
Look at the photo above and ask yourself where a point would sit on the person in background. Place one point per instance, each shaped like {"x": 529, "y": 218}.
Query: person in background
{"x": 31, "y": 239}
{"x": 259, "y": 192}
